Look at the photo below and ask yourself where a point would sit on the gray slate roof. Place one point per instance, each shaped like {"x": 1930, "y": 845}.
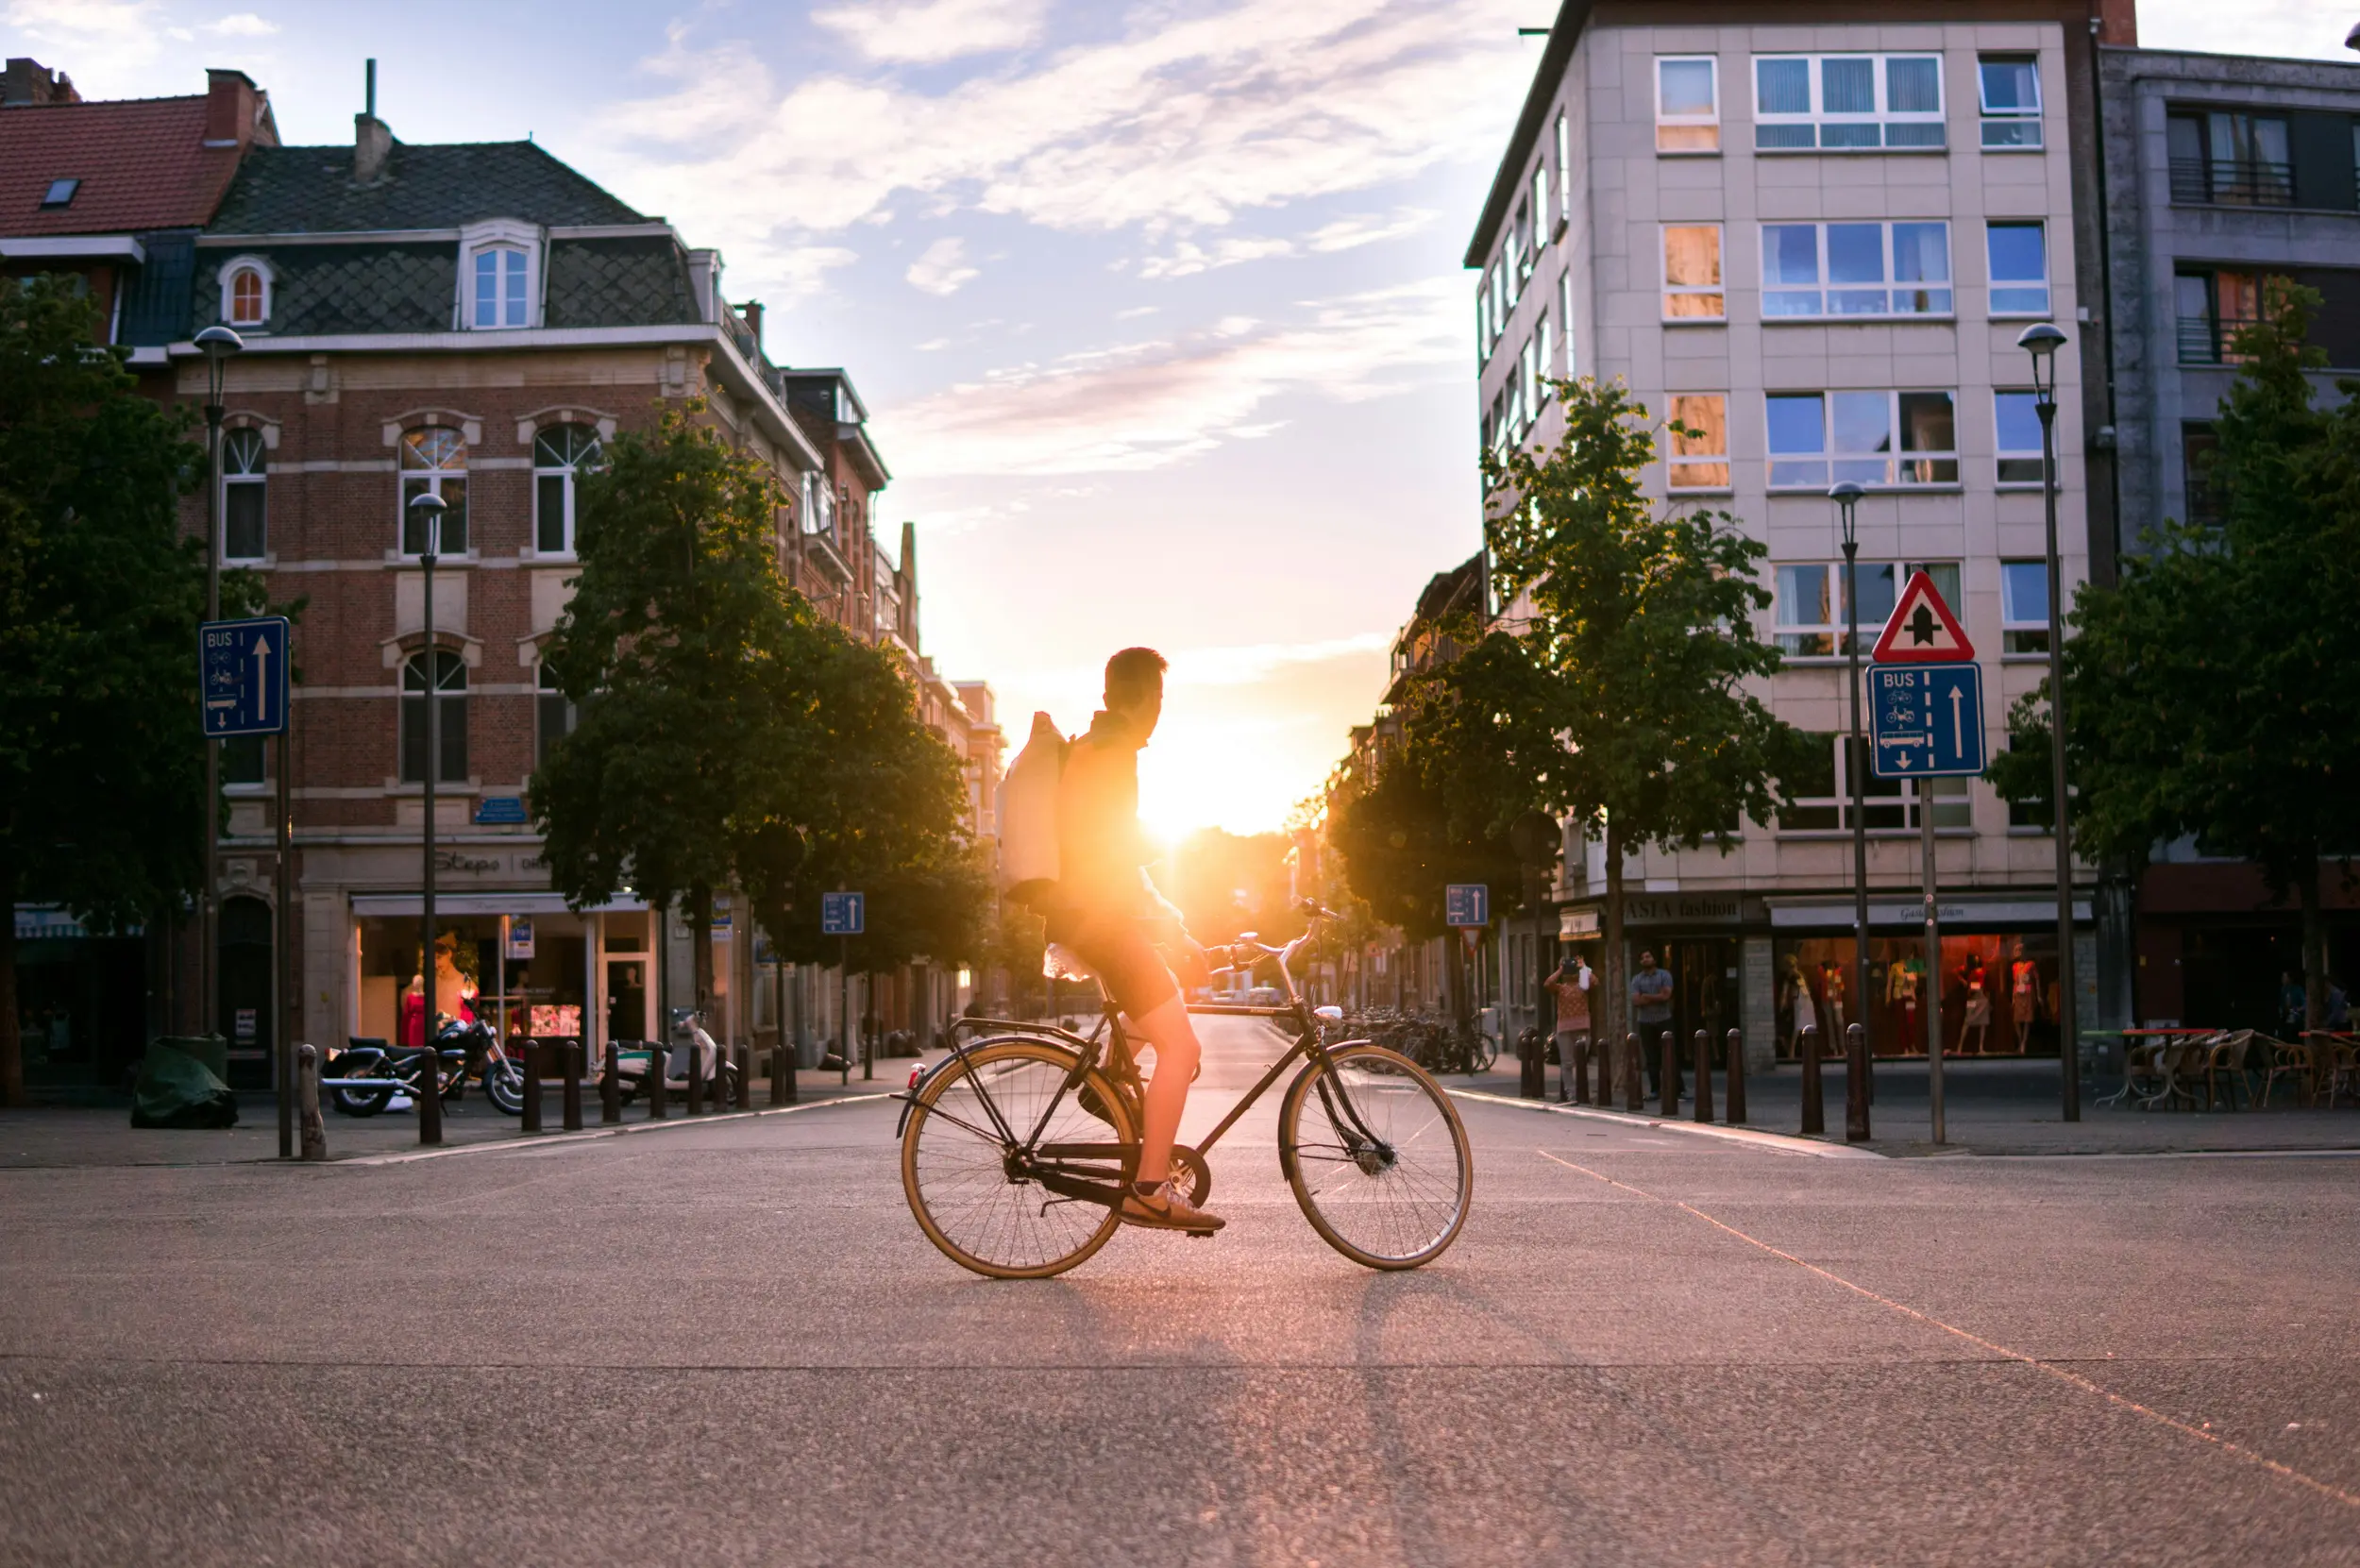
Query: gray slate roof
{"x": 413, "y": 287}
{"x": 311, "y": 191}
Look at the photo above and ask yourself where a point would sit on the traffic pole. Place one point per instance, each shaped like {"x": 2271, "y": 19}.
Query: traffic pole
{"x": 1930, "y": 994}
{"x": 1855, "y": 1084}
{"x": 290, "y": 1005}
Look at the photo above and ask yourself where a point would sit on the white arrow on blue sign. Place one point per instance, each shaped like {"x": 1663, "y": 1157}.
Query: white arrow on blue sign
{"x": 1925, "y": 721}
{"x": 843, "y": 914}
{"x": 1467, "y": 904}
{"x": 242, "y": 666}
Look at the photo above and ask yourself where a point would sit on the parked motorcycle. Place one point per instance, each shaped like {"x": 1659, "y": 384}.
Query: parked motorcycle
{"x": 401, "y": 1070}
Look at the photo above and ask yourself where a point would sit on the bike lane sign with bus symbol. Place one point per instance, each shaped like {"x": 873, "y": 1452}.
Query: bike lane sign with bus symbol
{"x": 243, "y": 671}
{"x": 1925, "y": 721}
{"x": 843, "y": 914}
{"x": 1467, "y": 904}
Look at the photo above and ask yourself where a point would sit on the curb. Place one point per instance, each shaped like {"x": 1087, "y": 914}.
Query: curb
{"x": 585, "y": 1136}
{"x": 1776, "y": 1143}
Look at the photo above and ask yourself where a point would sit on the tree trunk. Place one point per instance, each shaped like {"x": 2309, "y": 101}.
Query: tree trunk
{"x": 700, "y": 933}
{"x": 2314, "y": 946}
{"x": 11, "y": 1043}
{"x": 1617, "y": 985}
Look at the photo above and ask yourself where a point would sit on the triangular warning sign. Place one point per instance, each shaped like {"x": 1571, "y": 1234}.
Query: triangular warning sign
{"x": 1922, "y": 629}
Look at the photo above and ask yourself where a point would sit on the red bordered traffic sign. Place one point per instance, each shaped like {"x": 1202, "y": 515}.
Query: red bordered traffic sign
{"x": 1922, "y": 628}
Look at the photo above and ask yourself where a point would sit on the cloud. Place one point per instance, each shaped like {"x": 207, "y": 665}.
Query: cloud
{"x": 943, "y": 269}
{"x": 1149, "y": 404}
{"x": 242, "y": 25}
{"x": 927, "y": 32}
{"x": 2296, "y": 29}
{"x": 1350, "y": 233}
{"x": 1258, "y": 662}
{"x": 125, "y": 32}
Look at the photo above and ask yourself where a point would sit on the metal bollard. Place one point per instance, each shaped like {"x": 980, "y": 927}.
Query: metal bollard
{"x": 1855, "y": 1084}
{"x": 1604, "y": 1052}
{"x": 1573, "y": 1070}
{"x": 611, "y": 1087}
{"x": 1704, "y": 1075}
{"x": 1532, "y": 1079}
{"x": 572, "y": 1050}
{"x": 695, "y": 1076}
{"x": 308, "y": 1102}
{"x": 780, "y": 1071}
{"x": 1736, "y": 1048}
{"x": 745, "y": 1077}
{"x": 659, "y": 1072}
{"x": 1815, "y": 1107}
{"x": 1671, "y": 1084}
{"x": 1633, "y": 1087}
{"x": 533, "y": 1066}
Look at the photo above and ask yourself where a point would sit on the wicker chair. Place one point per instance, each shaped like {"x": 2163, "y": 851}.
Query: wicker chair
{"x": 2226, "y": 1067}
{"x": 2282, "y": 1060}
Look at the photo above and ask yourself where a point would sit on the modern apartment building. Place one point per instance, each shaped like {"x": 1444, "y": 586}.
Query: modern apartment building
{"x": 2220, "y": 171}
{"x": 1813, "y": 232}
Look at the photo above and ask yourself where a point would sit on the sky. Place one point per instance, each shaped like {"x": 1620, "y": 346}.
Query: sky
{"x": 1156, "y": 308}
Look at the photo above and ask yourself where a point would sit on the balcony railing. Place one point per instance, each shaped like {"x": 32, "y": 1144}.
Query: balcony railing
{"x": 2233, "y": 182}
{"x": 2205, "y": 340}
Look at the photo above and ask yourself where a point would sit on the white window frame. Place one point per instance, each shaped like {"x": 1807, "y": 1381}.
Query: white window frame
{"x": 429, "y": 664}
{"x": 1676, "y": 459}
{"x": 1543, "y": 231}
{"x": 570, "y": 473}
{"x": 435, "y": 480}
{"x": 261, "y": 268}
{"x": 1940, "y": 294}
{"x": 1676, "y": 122}
{"x": 2003, "y": 454}
{"x": 1544, "y": 360}
{"x": 1564, "y": 170}
{"x": 1830, "y": 631}
{"x": 501, "y": 234}
{"x": 1820, "y": 122}
{"x": 1715, "y": 290}
{"x": 1876, "y": 470}
{"x": 544, "y": 689}
{"x": 236, "y": 444}
{"x": 1519, "y": 257}
{"x": 818, "y": 512}
{"x": 2015, "y": 129}
{"x": 1483, "y": 319}
{"x": 2036, "y": 313}
{"x": 1565, "y": 316}
{"x": 2021, "y": 637}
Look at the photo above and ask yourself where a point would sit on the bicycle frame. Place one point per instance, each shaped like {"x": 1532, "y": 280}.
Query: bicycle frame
{"x": 1089, "y": 1182}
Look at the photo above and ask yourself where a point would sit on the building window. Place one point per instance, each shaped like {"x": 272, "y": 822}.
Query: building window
{"x": 1700, "y": 450}
{"x": 2019, "y": 253}
{"x": 500, "y": 293}
{"x": 818, "y": 508}
{"x": 2033, "y": 813}
{"x": 1565, "y": 315}
{"x": 1483, "y": 320}
{"x": 2231, "y": 159}
{"x": 1499, "y": 300}
{"x": 1855, "y": 269}
{"x": 434, "y": 461}
{"x": 1823, "y": 795}
{"x": 1541, "y": 227}
{"x": 1822, "y": 438}
{"x": 2023, "y": 606}
{"x": 553, "y": 717}
{"x": 1535, "y": 367}
{"x": 2198, "y": 442}
{"x": 1846, "y": 102}
{"x": 1519, "y": 253}
{"x": 2214, "y": 307}
{"x": 1564, "y": 170}
{"x": 450, "y": 715}
{"x": 1692, "y": 273}
{"x": 242, "y": 759}
{"x": 562, "y": 454}
{"x": 1809, "y": 605}
{"x": 1687, "y": 105}
{"x": 59, "y": 193}
{"x": 244, "y": 519}
{"x": 2010, "y": 85}
{"x": 246, "y": 294}
{"x": 2015, "y": 423}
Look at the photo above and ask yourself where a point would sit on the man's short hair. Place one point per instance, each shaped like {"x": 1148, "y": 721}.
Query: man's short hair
{"x": 1135, "y": 670}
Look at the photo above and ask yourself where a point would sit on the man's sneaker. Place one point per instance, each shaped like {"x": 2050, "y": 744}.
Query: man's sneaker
{"x": 1167, "y": 1211}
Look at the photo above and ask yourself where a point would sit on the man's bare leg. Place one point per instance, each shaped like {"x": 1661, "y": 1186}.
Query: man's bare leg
{"x": 1167, "y": 1028}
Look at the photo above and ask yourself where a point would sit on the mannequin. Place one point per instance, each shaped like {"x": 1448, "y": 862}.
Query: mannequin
{"x": 1977, "y": 1025}
{"x": 453, "y": 988}
{"x": 1795, "y": 995}
{"x": 1902, "y": 985}
{"x": 1831, "y": 996}
{"x": 2023, "y": 994}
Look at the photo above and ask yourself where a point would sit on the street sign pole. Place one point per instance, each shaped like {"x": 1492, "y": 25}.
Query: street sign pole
{"x": 1929, "y": 998}
{"x": 290, "y": 1005}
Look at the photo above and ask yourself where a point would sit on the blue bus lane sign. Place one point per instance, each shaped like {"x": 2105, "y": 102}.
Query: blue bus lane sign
{"x": 1925, "y": 721}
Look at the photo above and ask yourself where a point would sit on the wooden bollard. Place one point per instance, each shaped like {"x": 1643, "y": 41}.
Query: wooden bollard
{"x": 1671, "y": 1084}
{"x": 1735, "y": 1044}
{"x": 308, "y": 1102}
{"x": 1634, "y": 1079}
{"x": 1704, "y": 1075}
{"x": 1603, "y": 1050}
{"x": 611, "y": 1087}
{"x": 744, "y": 1095}
{"x": 572, "y": 1050}
{"x": 1815, "y": 1106}
{"x": 1855, "y": 1084}
{"x": 695, "y": 1077}
{"x": 659, "y": 1074}
{"x": 782, "y": 1075}
{"x": 534, "y": 1064}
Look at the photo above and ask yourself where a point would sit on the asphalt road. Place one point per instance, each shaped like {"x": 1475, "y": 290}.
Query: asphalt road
{"x": 729, "y": 1343}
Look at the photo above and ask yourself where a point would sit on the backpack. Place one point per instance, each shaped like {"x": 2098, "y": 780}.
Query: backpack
{"x": 1029, "y": 865}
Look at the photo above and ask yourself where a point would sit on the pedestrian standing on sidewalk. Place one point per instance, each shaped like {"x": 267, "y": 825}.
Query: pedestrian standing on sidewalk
{"x": 1570, "y": 985}
{"x": 1651, "y": 1015}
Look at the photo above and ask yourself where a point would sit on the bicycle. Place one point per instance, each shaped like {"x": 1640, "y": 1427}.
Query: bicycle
{"x": 1017, "y": 1149}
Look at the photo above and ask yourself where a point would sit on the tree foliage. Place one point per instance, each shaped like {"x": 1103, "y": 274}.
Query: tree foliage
{"x": 2210, "y": 695}
{"x": 101, "y": 757}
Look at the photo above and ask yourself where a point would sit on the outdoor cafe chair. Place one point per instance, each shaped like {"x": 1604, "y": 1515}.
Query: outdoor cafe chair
{"x": 2282, "y": 1060}
{"x": 2226, "y": 1059}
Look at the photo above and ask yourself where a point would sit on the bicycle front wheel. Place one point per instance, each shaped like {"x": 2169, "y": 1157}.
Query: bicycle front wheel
{"x": 959, "y": 1150}
{"x": 1377, "y": 1157}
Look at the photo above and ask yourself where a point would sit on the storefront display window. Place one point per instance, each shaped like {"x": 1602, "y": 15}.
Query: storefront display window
{"x": 1998, "y": 992}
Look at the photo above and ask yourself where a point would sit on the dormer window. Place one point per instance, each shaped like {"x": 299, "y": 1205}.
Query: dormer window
{"x": 498, "y": 276}
{"x": 61, "y": 193}
{"x": 500, "y": 286}
{"x": 246, "y": 290}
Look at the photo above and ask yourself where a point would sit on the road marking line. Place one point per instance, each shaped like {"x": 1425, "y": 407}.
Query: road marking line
{"x": 555, "y": 1140}
{"x": 2005, "y": 1353}
{"x": 1776, "y": 1143}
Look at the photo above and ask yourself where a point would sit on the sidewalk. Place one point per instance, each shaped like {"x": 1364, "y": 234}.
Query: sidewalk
{"x": 1997, "y": 1107}
{"x": 85, "y": 1137}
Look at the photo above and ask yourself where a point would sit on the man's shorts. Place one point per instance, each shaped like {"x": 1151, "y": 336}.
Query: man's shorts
{"x": 1119, "y": 953}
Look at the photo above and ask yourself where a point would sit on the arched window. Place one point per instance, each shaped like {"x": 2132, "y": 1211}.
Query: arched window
{"x": 434, "y": 461}
{"x": 500, "y": 287}
{"x": 451, "y": 716}
{"x": 560, "y": 455}
{"x": 248, "y": 306}
{"x": 244, "y": 520}
{"x": 555, "y": 716}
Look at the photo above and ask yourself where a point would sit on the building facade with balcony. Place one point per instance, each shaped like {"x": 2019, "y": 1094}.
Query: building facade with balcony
{"x": 1813, "y": 236}
{"x": 2220, "y": 171}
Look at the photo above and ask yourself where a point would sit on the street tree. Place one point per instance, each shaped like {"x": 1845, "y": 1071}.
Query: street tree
{"x": 1620, "y": 685}
{"x": 101, "y": 764}
{"x": 2211, "y": 693}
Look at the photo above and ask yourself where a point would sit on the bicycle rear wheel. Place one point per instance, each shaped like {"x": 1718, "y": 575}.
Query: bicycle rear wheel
{"x": 956, "y": 1153}
{"x": 1377, "y": 1157}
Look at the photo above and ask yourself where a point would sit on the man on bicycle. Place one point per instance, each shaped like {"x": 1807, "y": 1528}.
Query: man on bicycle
{"x": 1110, "y": 915}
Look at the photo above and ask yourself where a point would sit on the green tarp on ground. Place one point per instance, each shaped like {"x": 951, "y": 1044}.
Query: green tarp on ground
{"x": 175, "y": 1089}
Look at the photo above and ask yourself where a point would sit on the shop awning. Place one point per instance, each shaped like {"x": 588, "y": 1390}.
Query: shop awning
{"x": 1829, "y": 915}
{"x": 538, "y": 900}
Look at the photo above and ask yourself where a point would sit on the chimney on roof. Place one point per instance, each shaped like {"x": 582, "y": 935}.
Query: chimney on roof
{"x": 372, "y": 139}
{"x": 752, "y": 310}
{"x": 233, "y": 106}
{"x": 2118, "y": 23}
{"x": 28, "y": 82}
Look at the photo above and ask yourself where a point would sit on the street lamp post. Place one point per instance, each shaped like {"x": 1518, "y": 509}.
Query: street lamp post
{"x": 427, "y": 509}
{"x": 2042, "y": 341}
{"x": 1856, "y": 1086}
{"x": 216, "y": 344}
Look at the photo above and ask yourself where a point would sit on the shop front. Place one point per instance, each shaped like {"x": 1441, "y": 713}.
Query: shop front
{"x": 1705, "y": 941}
{"x": 524, "y": 964}
{"x": 81, "y": 1000}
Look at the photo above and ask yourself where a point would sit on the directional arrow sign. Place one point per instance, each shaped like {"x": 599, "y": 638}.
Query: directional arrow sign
{"x": 242, "y": 668}
{"x": 1467, "y": 904}
{"x": 1922, "y": 628}
{"x": 843, "y": 914}
{"x": 1925, "y": 721}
